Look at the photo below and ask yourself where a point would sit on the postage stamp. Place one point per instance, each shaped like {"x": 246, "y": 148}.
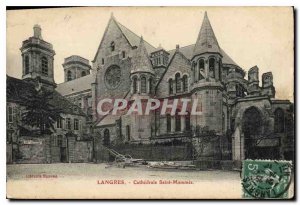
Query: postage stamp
{"x": 266, "y": 179}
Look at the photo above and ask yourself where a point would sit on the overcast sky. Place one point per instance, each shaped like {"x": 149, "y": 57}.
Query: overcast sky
{"x": 261, "y": 36}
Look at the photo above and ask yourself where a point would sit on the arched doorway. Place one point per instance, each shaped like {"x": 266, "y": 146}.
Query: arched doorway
{"x": 106, "y": 139}
{"x": 256, "y": 144}
{"x": 252, "y": 129}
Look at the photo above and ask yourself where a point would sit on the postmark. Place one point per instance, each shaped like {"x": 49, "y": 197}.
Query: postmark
{"x": 266, "y": 179}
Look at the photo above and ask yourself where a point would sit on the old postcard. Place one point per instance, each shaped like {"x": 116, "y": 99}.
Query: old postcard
{"x": 150, "y": 103}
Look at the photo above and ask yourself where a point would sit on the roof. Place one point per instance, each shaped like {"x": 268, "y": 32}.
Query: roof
{"x": 187, "y": 51}
{"x": 18, "y": 89}
{"x": 77, "y": 85}
{"x": 108, "y": 120}
{"x": 132, "y": 38}
{"x": 206, "y": 41}
{"x": 140, "y": 60}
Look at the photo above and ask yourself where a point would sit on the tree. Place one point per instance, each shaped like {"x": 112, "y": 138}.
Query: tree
{"x": 39, "y": 112}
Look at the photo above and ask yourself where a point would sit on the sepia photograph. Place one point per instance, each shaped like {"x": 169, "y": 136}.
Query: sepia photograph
{"x": 150, "y": 103}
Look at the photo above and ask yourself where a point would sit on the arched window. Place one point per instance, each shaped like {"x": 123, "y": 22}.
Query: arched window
{"x": 194, "y": 72}
{"x": 170, "y": 86}
{"x": 150, "y": 85}
{"x": 106, "y": 140}
{"x": 26, "y": 65}
{"x": 83, "y": 73}
{"x": 211, "y": 66}
{"x": 143, "y": 85}
{"x": 185, "y": 83}
{"x": 177, "y": 122}
{"x": 188, "y": 122}
{"x": 201, "y": 69}
{"x": 112, "y": 46}
{"x": 69, "y": 75}
{"x": 168, "y": 123}
{"x": 178, "y": 83}
{"x": 44, "y": 66}
{"x": 279, "y": 121}
{"x": 134, "y": 84}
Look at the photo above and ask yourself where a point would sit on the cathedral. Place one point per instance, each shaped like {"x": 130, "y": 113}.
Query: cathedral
{"x": 237, "y": 110}
{"x": 127, "y": 66}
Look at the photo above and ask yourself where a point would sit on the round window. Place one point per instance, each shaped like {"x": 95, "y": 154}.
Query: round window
{"x": 113, "y": 77}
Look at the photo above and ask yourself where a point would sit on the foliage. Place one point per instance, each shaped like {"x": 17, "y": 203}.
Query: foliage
{"x": 39, "y": 112}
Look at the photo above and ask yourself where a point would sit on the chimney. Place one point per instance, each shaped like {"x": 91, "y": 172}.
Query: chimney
{"x": 177, "y": 47}
{"x": 37, "y": 31}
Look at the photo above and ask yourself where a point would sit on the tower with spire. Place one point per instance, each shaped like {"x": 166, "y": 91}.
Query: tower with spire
{"x": 38, "y": 59}
{"x": 142, "y": 78}
{"x": 206, "y": 72}
{"x": 142, "y": 73}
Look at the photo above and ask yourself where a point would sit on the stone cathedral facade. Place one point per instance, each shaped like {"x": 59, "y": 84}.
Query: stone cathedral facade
{"x": 128, "y": 67}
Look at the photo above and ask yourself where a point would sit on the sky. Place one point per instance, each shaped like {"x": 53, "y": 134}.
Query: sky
{"x": 261, "y": 36}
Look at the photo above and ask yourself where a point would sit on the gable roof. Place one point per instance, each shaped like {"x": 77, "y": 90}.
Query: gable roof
{"x": 77, "y": 85}
{"x": 206, "y": 41}
{"x": 132, "y": 38}
{"x": 18, "y": 89}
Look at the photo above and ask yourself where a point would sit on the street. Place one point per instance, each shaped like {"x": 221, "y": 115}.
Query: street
{"x": 84, "y": 180}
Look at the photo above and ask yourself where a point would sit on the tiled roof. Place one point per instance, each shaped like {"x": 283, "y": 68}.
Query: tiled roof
{"x": 18, "y": 89}
{"x": 140, "y": 60}
{"x": 207, "y": 41}
{"x": 187, "y": 51}
{"x": 134, "y": 39}
{"x": 77, "y": 85}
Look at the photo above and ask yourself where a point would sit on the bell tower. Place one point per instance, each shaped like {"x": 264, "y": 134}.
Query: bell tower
{"x": 37, "y": 59}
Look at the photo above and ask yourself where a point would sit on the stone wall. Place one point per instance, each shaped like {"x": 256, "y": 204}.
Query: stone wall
{"x": 179, "y": 64}
{"x": 34, "y": 150}
{"x": 83, "y": 151}
{"x": 9, "y": 153}
{"x": 41, "y": 150}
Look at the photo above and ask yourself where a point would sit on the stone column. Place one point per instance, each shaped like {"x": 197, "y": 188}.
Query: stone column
{"x": 94, "y": 100}
{"x": 173, "y": 123}
{"x": 217, "y": 70}
{"x": 174, "y": 86}
{"x": 181, "y": 83}
{"x": 182, "y": 121}
{"x": 131, "y": 86}
{"x": 138, "y": 85}
{"x": 147, "y": 86}
{"x": 192, "y": 76}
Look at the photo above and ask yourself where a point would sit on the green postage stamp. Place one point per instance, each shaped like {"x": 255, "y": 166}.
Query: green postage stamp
{"x": 266, "y": 179}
